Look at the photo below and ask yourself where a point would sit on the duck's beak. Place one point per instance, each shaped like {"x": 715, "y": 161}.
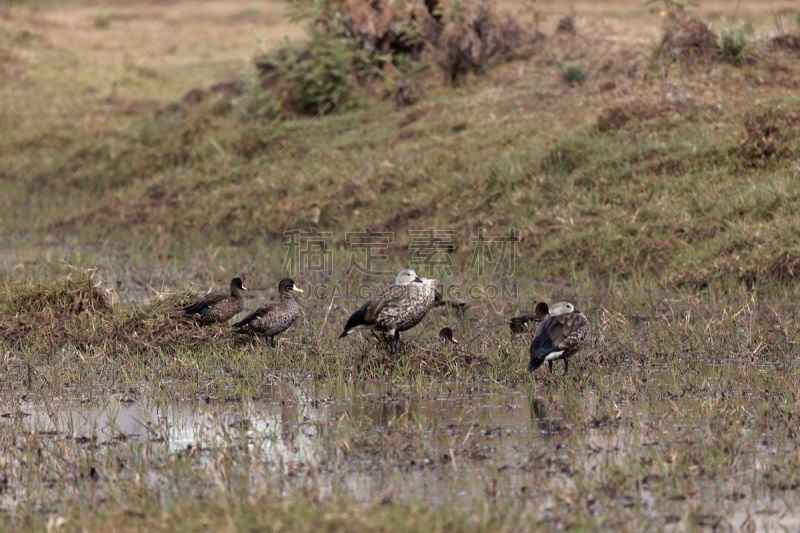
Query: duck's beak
{"x": 455, "y": 341}
{"x": 418, "y": 280}
{"x": 243, "y": 287}
{"x": 296, "y": 288}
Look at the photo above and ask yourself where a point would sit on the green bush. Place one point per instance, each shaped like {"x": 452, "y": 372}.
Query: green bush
{"x": 573, "y": 74}
{"x": 734, "y": 41}
{"x": 256, "y": 102}
{"x": 321, "y": 75}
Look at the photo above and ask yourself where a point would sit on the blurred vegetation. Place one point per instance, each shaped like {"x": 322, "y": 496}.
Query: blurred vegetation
{"x": 621, "y": 178}
{"x": 734, "y": 41}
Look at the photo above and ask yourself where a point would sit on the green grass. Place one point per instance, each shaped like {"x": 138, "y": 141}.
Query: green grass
{"x": 672, "y": 194}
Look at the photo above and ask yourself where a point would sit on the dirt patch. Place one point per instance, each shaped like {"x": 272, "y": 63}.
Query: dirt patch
{"x": 686, "y": 38}
{"x": 787, "y": 41}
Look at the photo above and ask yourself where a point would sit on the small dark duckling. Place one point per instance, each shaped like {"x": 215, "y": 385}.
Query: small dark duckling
{"x": 217, "y": 306}
{"x": 447, "y": 336}
{"x": 273, "y": 319}
{"x": 521, "y": 324}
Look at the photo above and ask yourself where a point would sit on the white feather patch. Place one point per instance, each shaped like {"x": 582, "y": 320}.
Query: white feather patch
{"x": 554, "y": 355}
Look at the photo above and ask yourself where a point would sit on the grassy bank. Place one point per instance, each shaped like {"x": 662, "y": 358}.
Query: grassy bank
{"x": 679, "y": 173}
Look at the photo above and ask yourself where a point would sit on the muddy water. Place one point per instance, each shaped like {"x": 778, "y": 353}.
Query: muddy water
{"x": 450, "y": 449}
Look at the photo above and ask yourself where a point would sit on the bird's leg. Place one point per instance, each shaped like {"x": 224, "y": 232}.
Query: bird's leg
{"x": 272, "y": 342}
{"x": 389, "y": 339}
{"x": 550, "y": 366}
{"x": 566, "y": 365}
{"x": 393, "y": 339}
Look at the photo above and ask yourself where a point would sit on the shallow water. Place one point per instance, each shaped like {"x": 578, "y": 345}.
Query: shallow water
{"x": 381, "y": 444}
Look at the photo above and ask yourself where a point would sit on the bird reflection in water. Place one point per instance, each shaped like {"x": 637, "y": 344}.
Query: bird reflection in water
{"x": 546, "y": 425}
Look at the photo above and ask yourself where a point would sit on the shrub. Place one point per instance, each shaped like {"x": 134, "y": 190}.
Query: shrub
{"x": 686, "y": 37}
{"x": 102, "y": 19}
{"x": 566, "y": 24}
{"x": 320, "y": 75}
{"x": 379, "y": 47}
{"x": 733, "y": 41}
{"x": 573, "y": 74}
{"x": 255, "y": 102}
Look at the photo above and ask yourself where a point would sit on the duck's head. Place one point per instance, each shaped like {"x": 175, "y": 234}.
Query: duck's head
{"x": 404, "y": 277}
{"x": 541, "y": 311}
{"x": 237, "y": 286}
{"x": 286, "y": 286}
{"x": 447, "y": 335}
{"x": 562, "y": 308}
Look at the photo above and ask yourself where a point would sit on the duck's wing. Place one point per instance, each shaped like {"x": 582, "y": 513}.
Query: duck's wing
{"x": 439, "y": 301}
{"x": 519, "y": 324}
{"x": 573, "y": 331}
{"x": 202, "y": 305}
{"x": 258, "y": 314}
{"x": 562, "y": 333}
{"x": 367, "y": 314}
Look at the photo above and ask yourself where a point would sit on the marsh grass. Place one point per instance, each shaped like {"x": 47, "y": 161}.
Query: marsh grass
{"x": 130, "y": 343}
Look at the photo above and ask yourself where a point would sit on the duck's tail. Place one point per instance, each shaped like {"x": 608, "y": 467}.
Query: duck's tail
{"x": 356, "y": 321}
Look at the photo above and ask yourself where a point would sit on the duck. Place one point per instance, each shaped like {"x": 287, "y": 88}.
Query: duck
{"x": 520, "y": 324}
{"x": 217, "y": 306}
{"x": 272, "y": 319}
{"x": 447, "y": 336}
{"x": 394, "y": 309}
{"x": 559, "y": 335}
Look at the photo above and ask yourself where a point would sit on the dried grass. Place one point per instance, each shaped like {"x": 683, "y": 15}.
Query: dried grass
{"x": 770, "y": 134}
{"x": 53, "y": 308}
{"x": 78, "y": 311}
{"x": 687, "y": 38}
{"x": 787, "y": 41}
{"x": 477, "y": 36}
{"x": 159, "y": 325}
{"x": 639, "y": 111}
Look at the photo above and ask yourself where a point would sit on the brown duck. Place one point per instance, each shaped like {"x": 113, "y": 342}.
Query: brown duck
{"x": 272, "y": 319}
{"x": 447, "y": 336}
{"x": 217, "y": 306}
{"x": 396, "y": 308}
{"x": 521, "y": 324}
